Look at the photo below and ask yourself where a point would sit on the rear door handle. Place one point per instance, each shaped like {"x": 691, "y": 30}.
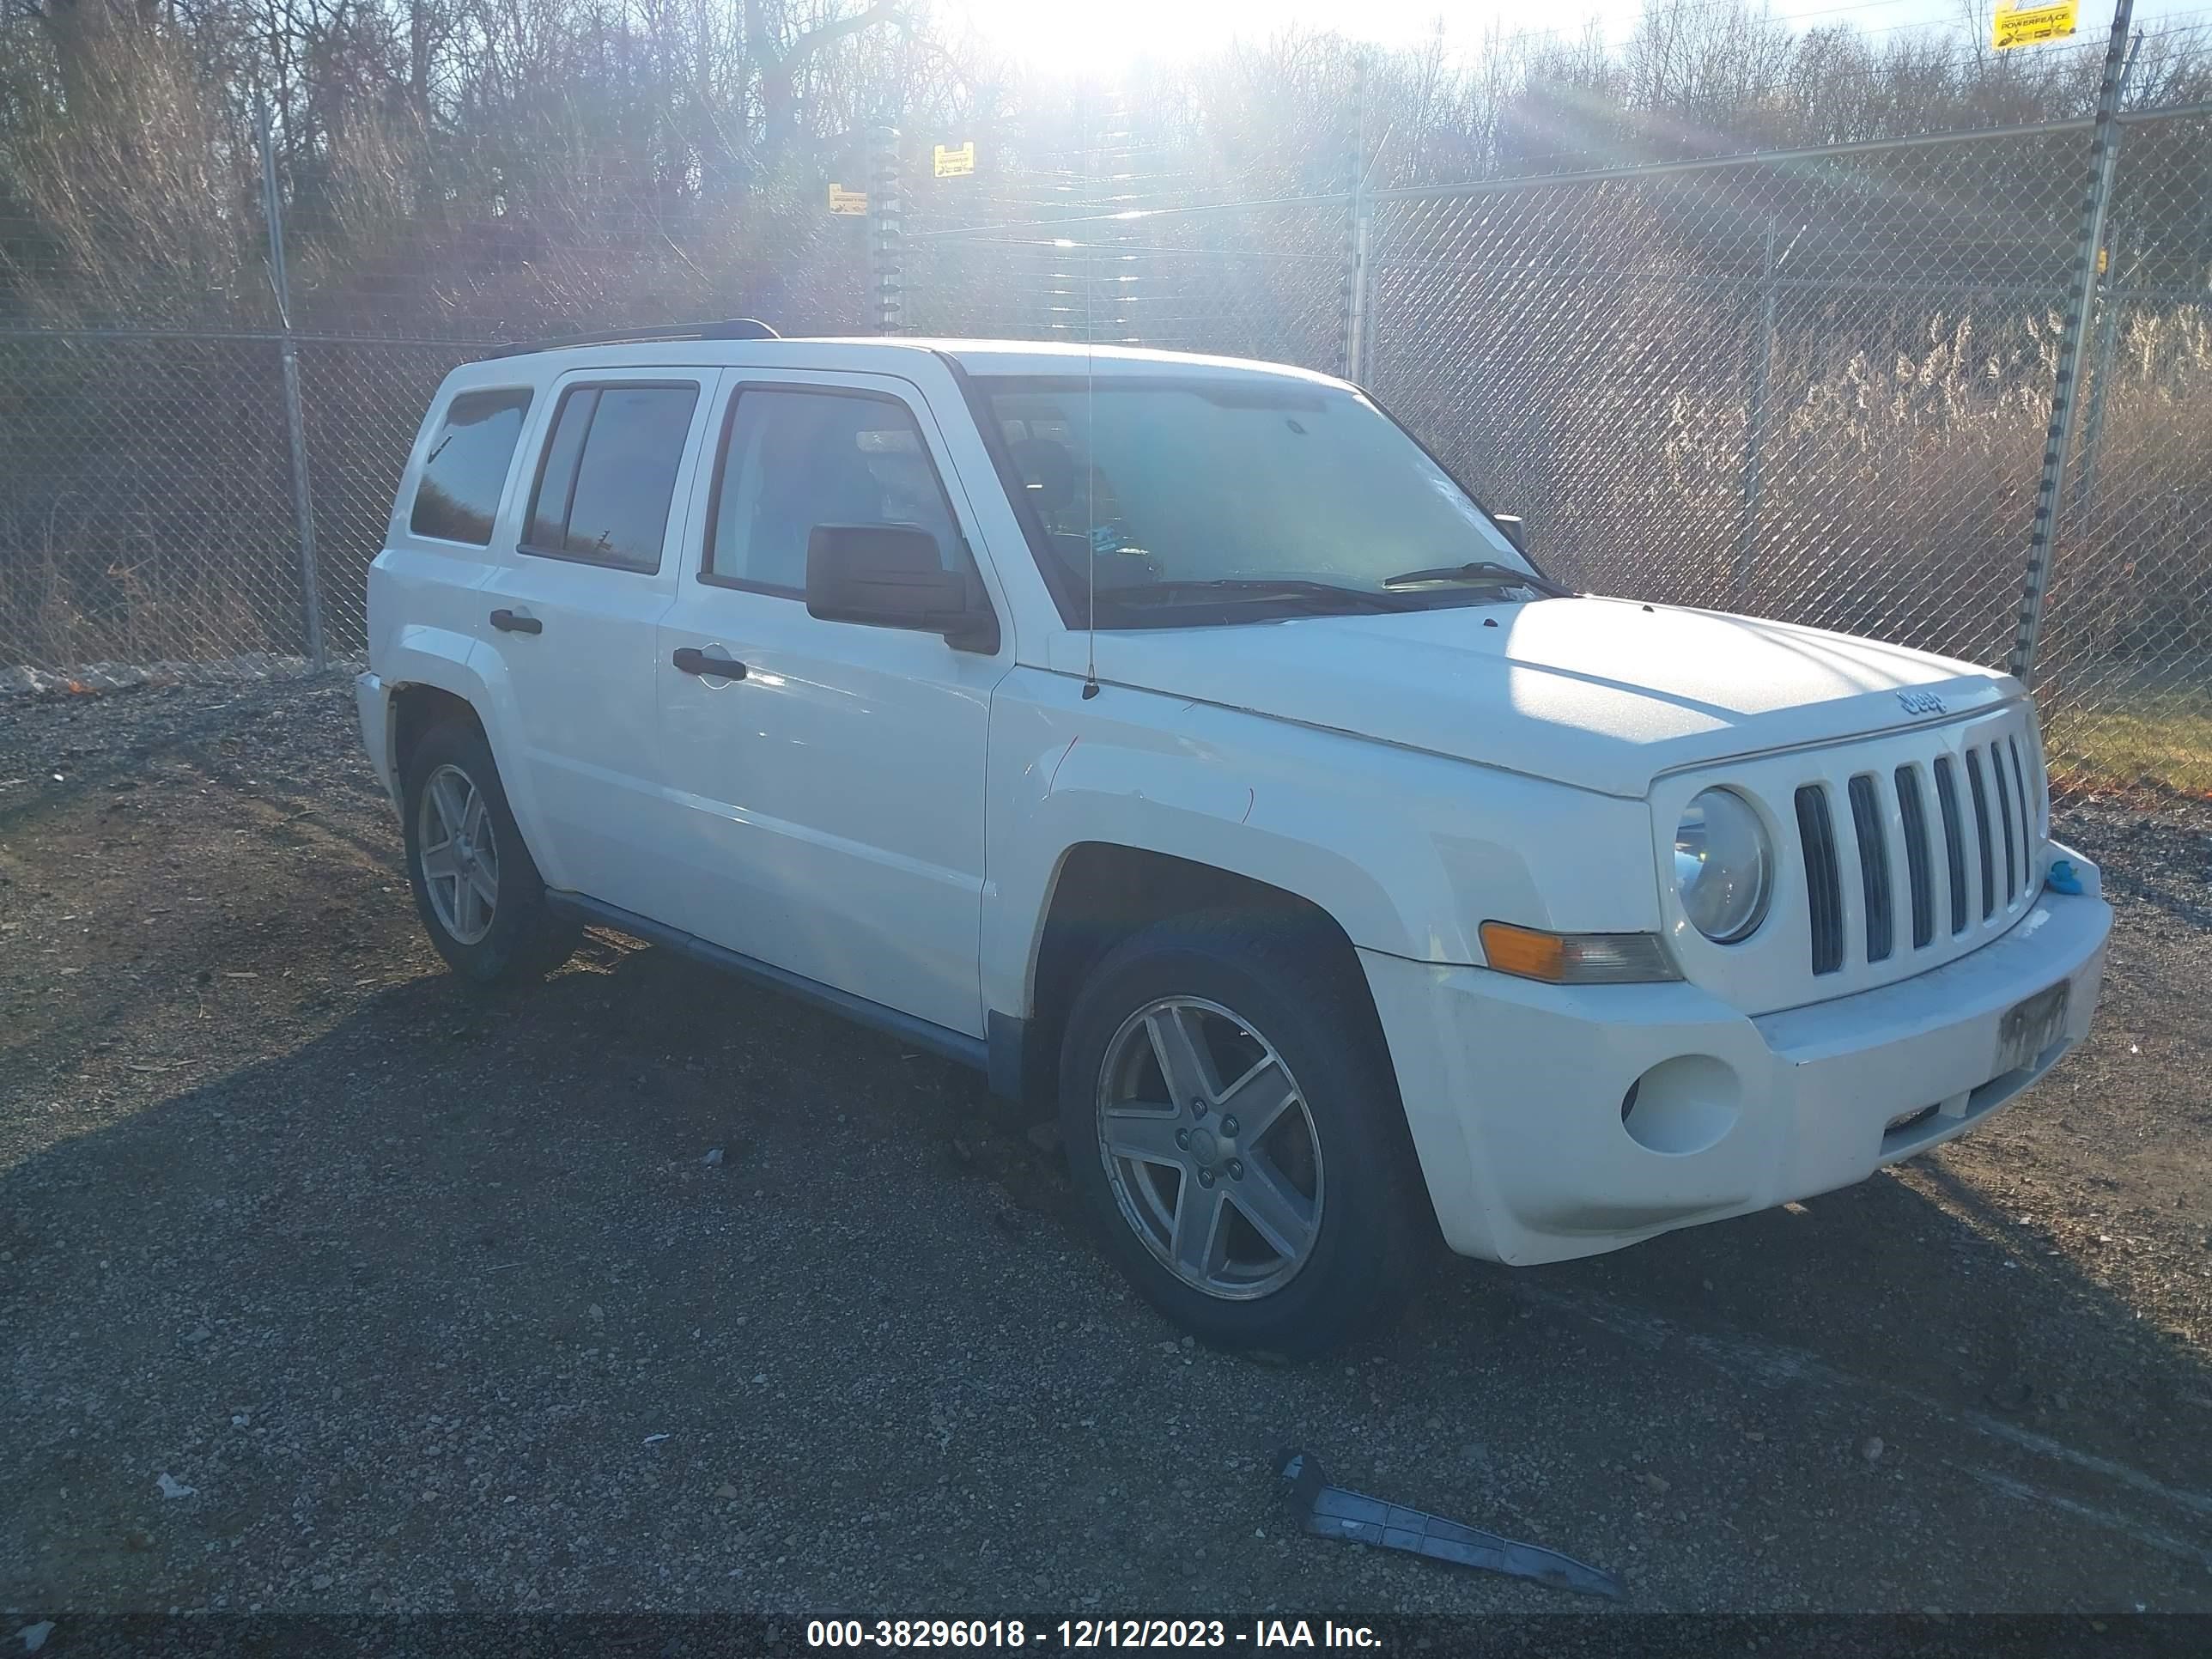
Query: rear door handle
{"x": 692, "y": 661}
{"x": 508, "y": 623}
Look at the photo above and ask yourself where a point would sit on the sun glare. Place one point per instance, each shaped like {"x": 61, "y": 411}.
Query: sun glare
{"x": 1095, "y": 35}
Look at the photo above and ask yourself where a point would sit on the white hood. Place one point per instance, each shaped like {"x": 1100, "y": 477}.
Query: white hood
{"x": 1604, "y": 694}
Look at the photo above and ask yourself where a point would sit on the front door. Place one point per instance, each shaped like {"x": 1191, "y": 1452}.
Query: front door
{"x": 571, "y": 614}
{"x": 826, "y": 806}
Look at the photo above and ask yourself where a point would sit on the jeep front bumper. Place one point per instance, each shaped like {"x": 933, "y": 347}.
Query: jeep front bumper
{"x": 1535, "y": 1149}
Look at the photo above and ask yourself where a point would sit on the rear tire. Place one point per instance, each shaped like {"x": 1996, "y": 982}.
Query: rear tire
{"x": 1311, "y": 1223}
{"x": 477, "y": 889}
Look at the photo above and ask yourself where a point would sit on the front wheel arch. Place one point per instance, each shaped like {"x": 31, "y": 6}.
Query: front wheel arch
{"x": 1105, "y": 892}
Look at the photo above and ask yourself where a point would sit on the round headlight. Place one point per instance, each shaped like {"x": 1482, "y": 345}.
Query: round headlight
{"x": 1722, "y": 866}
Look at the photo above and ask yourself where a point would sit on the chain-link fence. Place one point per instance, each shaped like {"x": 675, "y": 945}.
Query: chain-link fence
{"x": 1113, "y": 245}
{"x": 1814, "y": 385}
{"x": 2126, "y": 652}
{"x": 1817, "y": 385}
{"x": 1820, "y": 388}
{"x": 172, "y": 495}
{"x": 1812, "y": 389}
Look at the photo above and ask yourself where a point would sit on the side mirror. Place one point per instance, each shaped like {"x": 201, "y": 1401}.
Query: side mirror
{"x": 1516, "y": 531}
{"x": 883, "y": 576}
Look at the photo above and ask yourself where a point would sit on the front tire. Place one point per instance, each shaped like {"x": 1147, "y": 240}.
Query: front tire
{"x": 1233, "y": 1125}
{"x": 479, "y": 894}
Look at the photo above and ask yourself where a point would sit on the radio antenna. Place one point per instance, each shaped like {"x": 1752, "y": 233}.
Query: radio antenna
{"x": 1089, "y": 521}
{"x": 1089, "y": 433}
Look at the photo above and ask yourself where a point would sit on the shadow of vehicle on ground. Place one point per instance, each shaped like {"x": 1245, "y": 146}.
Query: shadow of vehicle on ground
{"x": 647, "y": 1287}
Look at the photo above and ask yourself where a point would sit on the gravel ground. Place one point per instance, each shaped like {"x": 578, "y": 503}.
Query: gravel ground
{"x": 439, "y": 1304}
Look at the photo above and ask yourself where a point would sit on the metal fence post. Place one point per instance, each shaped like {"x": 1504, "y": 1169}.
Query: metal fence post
{"x": 295, "y": 428}
{"x": 886, "y": 231}
{"x": 2111, "y": 299}
{"x": 1754, "y": 431}
{"x": 1360, "y": 227}
{"x": 2104, "y": 156}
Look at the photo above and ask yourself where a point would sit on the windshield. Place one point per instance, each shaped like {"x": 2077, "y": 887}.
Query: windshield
{"x": 1223, "y": 499}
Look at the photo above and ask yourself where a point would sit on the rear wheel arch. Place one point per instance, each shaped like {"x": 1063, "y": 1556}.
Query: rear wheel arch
{"x": 416, "y": 709}
{"x": 454, "y": 693}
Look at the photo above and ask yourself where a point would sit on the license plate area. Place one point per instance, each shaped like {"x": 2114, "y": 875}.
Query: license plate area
{"x": 2029, "y": 1027}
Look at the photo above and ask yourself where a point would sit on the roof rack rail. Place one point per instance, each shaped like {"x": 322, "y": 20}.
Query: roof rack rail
{"x": 728, "y": 328}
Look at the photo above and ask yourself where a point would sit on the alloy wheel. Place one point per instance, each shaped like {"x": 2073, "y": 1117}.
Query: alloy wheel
{"x": 1209, "y": 1147}
{"x": 459, "y": 854}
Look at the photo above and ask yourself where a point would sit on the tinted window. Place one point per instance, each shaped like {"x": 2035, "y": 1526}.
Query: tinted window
{"x": 610, "y": 473}
{"x": 467, "y": 468}
{"x": 792, "y": 461}
{"x": 557, "y": 480}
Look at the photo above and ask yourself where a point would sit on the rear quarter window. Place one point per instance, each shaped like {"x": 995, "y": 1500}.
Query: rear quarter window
{"x": 608, "y": 478}
{"x": 466, "y": 467}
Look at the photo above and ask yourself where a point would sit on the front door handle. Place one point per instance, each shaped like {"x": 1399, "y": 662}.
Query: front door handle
{"x": 508, "y": 623}
{"x": 692, "y": 661}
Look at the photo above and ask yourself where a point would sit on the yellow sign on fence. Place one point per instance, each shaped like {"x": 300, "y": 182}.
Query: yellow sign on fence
{"x": 955, "y": 161}
{"x": 842, "y": 200}
{"x": 2030, "y": 22}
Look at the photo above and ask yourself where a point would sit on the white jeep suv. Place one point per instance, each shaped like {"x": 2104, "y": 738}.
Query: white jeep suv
{"x": 1174, "y": 740}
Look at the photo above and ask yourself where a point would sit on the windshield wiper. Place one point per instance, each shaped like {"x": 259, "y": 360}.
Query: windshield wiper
{"x": 1257, "y": 588}
{"x": 1485, "y": 573}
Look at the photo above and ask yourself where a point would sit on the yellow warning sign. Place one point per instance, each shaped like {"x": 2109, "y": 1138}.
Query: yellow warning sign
{"x": 956, "y": 160}
{"x": 842, "y": 200}
{"x": 2031, "y": 22}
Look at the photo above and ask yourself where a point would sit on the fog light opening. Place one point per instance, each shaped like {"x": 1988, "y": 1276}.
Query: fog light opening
{"x": 1682, "y": 1105}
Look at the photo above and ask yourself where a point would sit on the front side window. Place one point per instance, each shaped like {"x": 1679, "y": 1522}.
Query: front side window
{"x": 608, "y": 476}
{"x": 466, "y": 467}
{"x": 1208, "y": 500}
{"x": 792, "y": 459}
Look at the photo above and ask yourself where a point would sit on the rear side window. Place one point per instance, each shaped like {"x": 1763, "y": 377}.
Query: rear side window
{"x": 608, "y": 475}
{"x": 466, "y": 467}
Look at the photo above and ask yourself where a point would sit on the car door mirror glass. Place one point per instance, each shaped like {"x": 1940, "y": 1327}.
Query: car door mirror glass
{"x": 885, "y": 575}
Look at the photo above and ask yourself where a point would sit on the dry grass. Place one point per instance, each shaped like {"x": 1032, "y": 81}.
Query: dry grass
{"x": 2162, "y": 740}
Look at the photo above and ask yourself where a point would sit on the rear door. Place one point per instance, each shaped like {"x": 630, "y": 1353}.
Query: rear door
{"x": 571, "y": 615}
{"x": 826, "y": 806}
